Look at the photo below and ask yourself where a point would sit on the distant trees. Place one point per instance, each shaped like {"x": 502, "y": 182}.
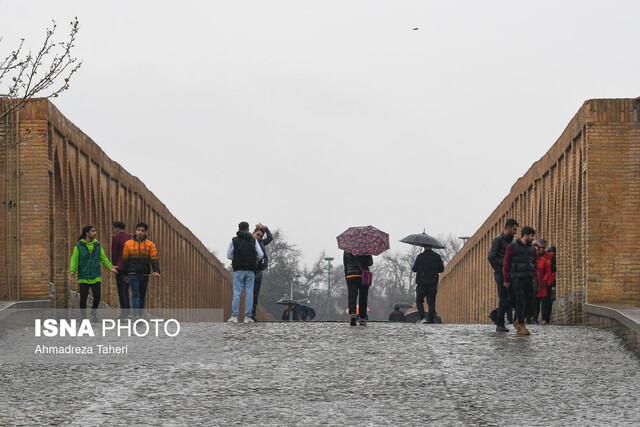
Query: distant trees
{"x": 393, "y": 279}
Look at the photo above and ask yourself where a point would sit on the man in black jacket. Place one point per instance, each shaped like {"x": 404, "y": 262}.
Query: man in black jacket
{"x": 244, "y": 253}
{"x": 519, "y": 267}
{"x": 263, "y": 264}
{"x": 496, "y": 258}
{"x": 427, "y": 266}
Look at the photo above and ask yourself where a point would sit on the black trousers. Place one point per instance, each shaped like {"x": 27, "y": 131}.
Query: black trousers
{"x": 523, "y": 292}
{"x": 123, "y": 291}
{"x": 359, "y": 293}
{"x": 531, "y": 303}
{"x": 536, "y": 308}
{"x": 256, "y": 291}
{"x": 429, "y": 292}
{"x": 546, "y": 307}
{"x": 84, "y": 294}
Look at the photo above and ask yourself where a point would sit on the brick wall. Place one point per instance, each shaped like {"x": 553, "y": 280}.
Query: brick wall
{"x": 583, "y": 196}
{"x": 54, "y": 180}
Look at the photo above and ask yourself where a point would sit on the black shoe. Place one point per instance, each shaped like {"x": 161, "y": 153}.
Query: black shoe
{"x": 501, "y": 328}
{"x": 353, "y": 321}
{"x": 363, "y": 322}
{"x": 494, "y": 317}
{"x": 254, "y": 319}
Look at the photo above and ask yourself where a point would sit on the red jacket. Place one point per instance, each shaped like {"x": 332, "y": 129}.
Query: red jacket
{"x": 546, "y": 276}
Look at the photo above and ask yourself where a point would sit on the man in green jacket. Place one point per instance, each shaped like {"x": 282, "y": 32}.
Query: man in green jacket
{"x": 88, "y": 254}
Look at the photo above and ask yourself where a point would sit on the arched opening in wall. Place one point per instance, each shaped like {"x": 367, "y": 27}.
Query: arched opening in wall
{"x": 74, "y": 215}
{"x": 84, "y": 218}
{"x": 107, "y": 279}
{"x": 59, "y": 253}
{"x": 582, "y": 229}
{"x": 93, "y": 219}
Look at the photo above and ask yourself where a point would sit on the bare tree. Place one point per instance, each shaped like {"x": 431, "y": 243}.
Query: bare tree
{"x": 393, "y": 272}
{"x": 452, "y": 246}
{"x": 45, "y": 74}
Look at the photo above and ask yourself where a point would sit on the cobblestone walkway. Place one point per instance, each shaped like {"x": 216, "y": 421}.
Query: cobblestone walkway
{"x": 330, "y": 373}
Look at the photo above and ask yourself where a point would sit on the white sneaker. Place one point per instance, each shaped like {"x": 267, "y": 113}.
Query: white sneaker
{"x": 233, "y": 319}
{"x": 248, "y": 319}
{"x": 424, "y": 321}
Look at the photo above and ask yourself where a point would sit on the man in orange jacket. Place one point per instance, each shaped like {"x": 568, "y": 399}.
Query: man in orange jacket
{"x": 139, "y": 257}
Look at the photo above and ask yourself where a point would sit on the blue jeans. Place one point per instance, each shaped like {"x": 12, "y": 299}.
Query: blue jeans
{"x": 242, "y": 279}
{"x": 138, "y": 284}
{"x": 504, "y": 300}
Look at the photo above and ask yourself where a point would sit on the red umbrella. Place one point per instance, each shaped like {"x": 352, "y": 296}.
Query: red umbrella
{"x": 364, "y": 241}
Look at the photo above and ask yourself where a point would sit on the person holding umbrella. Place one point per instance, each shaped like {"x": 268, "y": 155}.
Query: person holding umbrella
{"x": 359, "y": 244}
{"x": 428, "y": 266}
{"x": 354, "y": 267}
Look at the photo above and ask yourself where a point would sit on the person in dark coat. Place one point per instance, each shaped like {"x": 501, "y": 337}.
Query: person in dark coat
{"x": 353, "y": 268}
{"x": 117, "y": 248}
{"x": 396, "y": 315}
{"x": 289, "y": 313}
{"x": 427, "y": 266}
{"x": 518, "y": 269}
{"x": 263, "y": 264}
{"x": 496, "y": 258}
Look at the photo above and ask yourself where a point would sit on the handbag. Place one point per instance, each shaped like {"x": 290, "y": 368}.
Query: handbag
{"x": 367, "y": 277}
{"x": 536, "y": 284}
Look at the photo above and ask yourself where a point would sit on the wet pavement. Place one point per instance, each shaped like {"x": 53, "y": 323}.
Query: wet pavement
{"x": 331, "y": 373}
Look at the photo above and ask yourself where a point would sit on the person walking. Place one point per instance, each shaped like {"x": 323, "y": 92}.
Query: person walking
{"x": 544, "y": 272}
{"x": 548, "y": 258}
{"x": 244, "y": 251}
{"x": 263, "y": 264}
{"x": 427, "y": 266}
{"x": 117, "y": 248}
{"x": 139, "y": 259}
{"x": 518, "y": 269}
{"x": 496, "y": 258}
{"x": 86, "y": 258}
{"x": 354, "y": 265}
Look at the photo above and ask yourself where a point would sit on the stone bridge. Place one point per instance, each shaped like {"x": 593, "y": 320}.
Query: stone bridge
{"x": 583, "y": 196}
{"x": 54, "y": 180}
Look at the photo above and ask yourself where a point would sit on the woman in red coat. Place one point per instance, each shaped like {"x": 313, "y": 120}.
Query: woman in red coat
{"x": 546, "y": 278}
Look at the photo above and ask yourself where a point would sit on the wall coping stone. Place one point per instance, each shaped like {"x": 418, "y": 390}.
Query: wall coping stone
{"x": 624, "y": 314}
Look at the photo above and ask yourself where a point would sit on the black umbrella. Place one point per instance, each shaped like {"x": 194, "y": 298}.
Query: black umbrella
{"x": 311, "y": 313}
{"x": 401, "y": 304}
{"x": 286, "y": 301}
{"x": 423, "y": 239}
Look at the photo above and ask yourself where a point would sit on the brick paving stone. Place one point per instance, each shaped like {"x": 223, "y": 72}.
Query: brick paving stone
{"x": 330, "y": 373}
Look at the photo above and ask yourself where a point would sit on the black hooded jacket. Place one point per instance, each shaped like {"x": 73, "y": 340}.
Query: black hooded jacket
{"x": 244, "y": 252}
{"x": 351, "y": 267}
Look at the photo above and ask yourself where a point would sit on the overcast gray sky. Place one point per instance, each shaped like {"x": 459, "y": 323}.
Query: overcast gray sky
{"x": 313, "y": 116}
